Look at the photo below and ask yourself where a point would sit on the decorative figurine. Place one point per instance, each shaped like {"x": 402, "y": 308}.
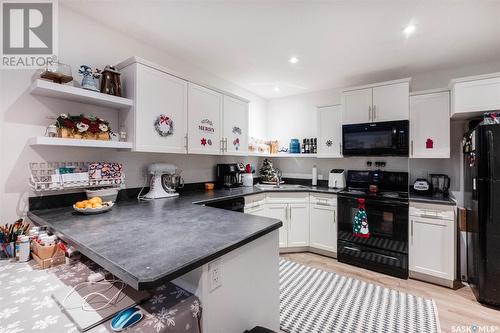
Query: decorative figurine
{"x": 110, "y": 82}
{"x": 89, "y": 77}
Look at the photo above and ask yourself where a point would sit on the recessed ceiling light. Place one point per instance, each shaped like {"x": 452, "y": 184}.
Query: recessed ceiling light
{"x": 276, "y": 88}
{"x": 409, "y": 29}
{"x": 294, "y": 60}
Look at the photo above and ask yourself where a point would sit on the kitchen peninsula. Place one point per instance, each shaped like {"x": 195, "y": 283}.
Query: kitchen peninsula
{"x": 145, "y": 243}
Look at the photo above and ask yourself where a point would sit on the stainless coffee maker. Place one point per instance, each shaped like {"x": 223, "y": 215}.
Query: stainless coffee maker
{"x": 440, "y": 183}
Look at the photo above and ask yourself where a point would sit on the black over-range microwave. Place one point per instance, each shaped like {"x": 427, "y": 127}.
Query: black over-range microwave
{"x": 389, "y": 138}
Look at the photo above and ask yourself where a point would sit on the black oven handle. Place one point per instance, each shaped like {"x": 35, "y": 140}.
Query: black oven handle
{"x": 378, "y": 201}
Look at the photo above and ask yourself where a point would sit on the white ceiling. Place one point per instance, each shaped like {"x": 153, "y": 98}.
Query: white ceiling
{"x": 338, "y": 43}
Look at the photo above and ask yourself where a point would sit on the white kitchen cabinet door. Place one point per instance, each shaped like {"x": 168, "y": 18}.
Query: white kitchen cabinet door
{"x": 330, "y": 131}
{"x": 323, "y": 227}
{"x": 298, "y": 225}
{"x": 204, "y": 120}
{"x": 235, "y": 126}
{"x": 357, "y": 106}
{"x": 390, "y": 102}
{"x": 475, "y": 96}
{"x": 432, "y": 247}
{"x": 160, "y": 112}
{"x": 280, "y": 212}
{"x": 430, "y": 125}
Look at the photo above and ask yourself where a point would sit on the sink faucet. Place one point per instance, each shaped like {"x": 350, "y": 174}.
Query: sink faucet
{"x": 278, "y": 177}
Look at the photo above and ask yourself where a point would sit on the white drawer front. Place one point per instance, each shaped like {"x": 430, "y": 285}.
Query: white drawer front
{"x": 323, "y": 199}
{"x": 432, "y": 211}
{"x": 251, "y": 200}
{"x": 288, "y": 197}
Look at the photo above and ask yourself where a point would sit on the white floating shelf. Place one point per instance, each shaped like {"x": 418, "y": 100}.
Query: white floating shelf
{"x": 62, "y": 91}
{"x": 285, "y": 155}
{"x": 47, "y": 141}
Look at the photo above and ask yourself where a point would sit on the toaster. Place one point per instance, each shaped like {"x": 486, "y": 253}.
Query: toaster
{"x": 336, "y": 179}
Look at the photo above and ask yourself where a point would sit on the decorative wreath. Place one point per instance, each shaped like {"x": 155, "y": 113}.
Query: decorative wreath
{"x": 164, "y": 126}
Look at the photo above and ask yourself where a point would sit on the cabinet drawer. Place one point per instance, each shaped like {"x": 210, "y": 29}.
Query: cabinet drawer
{"x": 323, "y": 199}
{"x": 255, "y": 200}
{"x": 301, "y": 197}
{"x": 432, "y": 211}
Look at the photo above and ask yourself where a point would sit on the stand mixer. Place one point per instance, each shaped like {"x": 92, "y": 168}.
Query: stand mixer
{"x": 164, "y": 181}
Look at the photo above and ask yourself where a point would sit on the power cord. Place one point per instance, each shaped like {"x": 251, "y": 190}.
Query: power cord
{"x": 86, "y": 306}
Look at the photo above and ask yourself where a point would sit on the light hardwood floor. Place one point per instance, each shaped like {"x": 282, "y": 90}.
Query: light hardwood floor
{"x": 456, "y": 307}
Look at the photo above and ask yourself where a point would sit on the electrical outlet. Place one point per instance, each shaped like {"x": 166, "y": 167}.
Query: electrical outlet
{"x": 215, "y": 274}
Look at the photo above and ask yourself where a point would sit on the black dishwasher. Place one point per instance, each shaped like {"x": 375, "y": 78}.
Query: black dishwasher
{"x": 234, "y": 204}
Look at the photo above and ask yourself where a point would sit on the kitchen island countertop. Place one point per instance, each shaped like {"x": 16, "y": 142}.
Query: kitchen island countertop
{"x": 146, "y": 243}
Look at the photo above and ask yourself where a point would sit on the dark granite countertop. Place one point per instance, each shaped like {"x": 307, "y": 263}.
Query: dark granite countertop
{"x": 432, "y": 198}
{"x": 146, "y": 243}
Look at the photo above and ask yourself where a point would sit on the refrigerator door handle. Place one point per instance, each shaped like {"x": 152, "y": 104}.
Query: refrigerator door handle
{"x": 491, "y": 150}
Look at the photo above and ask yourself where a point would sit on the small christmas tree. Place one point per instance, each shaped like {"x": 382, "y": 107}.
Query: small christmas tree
{"x": 267, "y": 172}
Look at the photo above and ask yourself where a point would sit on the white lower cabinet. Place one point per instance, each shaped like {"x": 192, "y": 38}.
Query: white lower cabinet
{"x": 298, "y": 224}
{"x": 323, "y": 227}
{"x": 309, "y": 221}
{"x": 280, "y": 212}
{"x": 323, "y": 222}
{"x": 432, "y": 243}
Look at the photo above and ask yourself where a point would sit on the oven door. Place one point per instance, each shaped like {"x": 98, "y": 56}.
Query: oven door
{"x": 374, "y": 139}
{"x": 387, "y": 223}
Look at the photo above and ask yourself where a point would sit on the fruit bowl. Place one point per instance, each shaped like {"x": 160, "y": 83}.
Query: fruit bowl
{"x": 106, "y": 206}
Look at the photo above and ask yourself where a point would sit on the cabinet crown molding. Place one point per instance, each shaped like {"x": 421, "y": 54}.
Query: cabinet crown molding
{"x": 378, "y": 84}
{"x": 135, "y": 59}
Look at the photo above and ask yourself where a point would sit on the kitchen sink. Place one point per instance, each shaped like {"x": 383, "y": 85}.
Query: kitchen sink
{"x": 281, "y": 187}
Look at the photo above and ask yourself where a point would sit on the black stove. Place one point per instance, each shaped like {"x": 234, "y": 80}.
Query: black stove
{"x": 373, "y": 221}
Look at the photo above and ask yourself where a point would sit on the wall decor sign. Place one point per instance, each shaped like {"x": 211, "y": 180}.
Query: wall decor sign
{"x": 237, "y": 130}
{"x": 429, "y": 144}
{"x": 206, "y": 126}
{"x": 164, "y": 125}
{"x": 329, "y": 143}
{"x": 236, "y": 143}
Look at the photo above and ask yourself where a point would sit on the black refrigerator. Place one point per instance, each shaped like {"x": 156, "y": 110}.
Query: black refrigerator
{"x": 482, "y": 201}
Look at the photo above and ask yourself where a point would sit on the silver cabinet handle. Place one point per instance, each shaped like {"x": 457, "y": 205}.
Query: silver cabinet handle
{"x": 340, "y": 147}
{"x": 411, "y": 231}
{"x": 186, "y": 141}
{"x": 369, "y": 113}
{"x": 225, "y": 145}
{"x": 411, "y": 147}
{"x": 374, "y": 112}
{"x": 334, "y": 216}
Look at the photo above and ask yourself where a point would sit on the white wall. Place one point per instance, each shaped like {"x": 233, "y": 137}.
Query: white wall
{"x": 82, "y": 41}
{"x": 295, "y": 117}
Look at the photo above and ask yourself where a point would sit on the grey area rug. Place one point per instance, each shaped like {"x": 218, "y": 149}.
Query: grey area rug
{"x": 313, "y": 300}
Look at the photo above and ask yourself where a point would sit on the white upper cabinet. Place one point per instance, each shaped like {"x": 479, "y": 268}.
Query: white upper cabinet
{"x": 378, "y": 102}
{"x": 330, "y": 131}
{"x": 357, "y": 105}
{"x": 235, "y": 126}
{"x": 390, "y": 102}
{"x": 430, "y": 125}
{"x": 204, "y": 120}
{"x": 474, "y": 95}
{"x": 158, "y": 120}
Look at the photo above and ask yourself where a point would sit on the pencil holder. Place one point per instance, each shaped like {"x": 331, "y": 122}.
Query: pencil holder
{"x": 7, "y": 250}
